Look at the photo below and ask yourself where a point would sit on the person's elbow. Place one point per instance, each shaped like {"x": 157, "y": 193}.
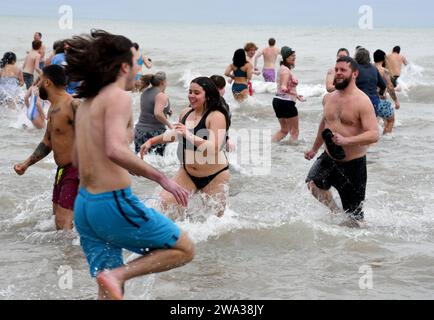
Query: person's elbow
{"x": 330, "y": 88}
{"x": 113, "y": 152}
{"x": 375, "y": 136}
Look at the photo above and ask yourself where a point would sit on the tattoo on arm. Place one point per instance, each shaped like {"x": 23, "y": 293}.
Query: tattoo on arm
{"x": 40, "y": 153}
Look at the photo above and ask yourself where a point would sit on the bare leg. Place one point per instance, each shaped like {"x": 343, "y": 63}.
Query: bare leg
{"x": 388, "y": 125}
{"x": 218, "y": 189}
{"x": 294, "y": 128}
{"x": 63, "y": 217}
{"x": 111, "y": 282}
{"x": 323, "y": 196}
{"x": 283, "y": 132}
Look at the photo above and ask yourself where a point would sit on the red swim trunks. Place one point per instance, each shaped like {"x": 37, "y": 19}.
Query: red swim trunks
{"x": 66, "y": 186}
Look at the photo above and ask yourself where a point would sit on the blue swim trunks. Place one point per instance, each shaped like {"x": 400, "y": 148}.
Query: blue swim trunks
{"x": 111, "y": 221}
{"x": 384, "y": 109}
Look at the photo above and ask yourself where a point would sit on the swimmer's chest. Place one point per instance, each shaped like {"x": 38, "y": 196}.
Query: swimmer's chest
{"x": 59, "y": 121}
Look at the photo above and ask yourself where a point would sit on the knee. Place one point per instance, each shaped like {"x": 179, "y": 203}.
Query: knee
{"x": 187, "y": 248}
{"x": 285, "y": 131}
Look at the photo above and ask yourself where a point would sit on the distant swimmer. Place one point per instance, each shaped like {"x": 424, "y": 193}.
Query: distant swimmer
{"x": 143, "y": 60}
{"x": 349, "y": 127}
{"x": 250, "y": 48}
{"x": 240, "y": 71}
{"x": 284, "y": 103}
{"x": 202, "y": 131}
{"x": 58, "y": 50}
{"x": 107, "y": 214}
{"x": 35, "y": 106}
{"x": 38, "y": 37}
{"x": 394, "y": 62}
{"x": 331, "y": 73}
{"x": 31, "y": 64}
{"x": 270, "y": 55}
{"x": 59, "y": 138}
{"x": 155, "y": 111}
{"x": 385, "y": 109}
{"x": 11, "y": 79}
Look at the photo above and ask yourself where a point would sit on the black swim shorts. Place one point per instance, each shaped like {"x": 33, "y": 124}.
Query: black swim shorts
{"x": 349, "y": 179}
{"x": 284, "y": 109}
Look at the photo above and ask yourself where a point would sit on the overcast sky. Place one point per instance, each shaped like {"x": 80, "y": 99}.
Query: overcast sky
{"x": 386, "y": 13}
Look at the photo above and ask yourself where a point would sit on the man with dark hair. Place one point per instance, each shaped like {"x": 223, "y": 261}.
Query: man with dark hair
{"x": 394, "y": 62}
{"x": 107, "y": 215}
{"x": 59, "y": 138}
{"x": 37, "y": 37}
{"x": 348, "y": 126}
{"x": 342, "y": 52}
{"x": 270, "y": 56}
{"x": 31, "y": 63}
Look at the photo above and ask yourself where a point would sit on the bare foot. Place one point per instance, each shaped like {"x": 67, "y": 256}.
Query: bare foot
{"x": 110, "y": 285}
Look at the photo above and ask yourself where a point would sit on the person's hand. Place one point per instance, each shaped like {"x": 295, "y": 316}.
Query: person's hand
{"x": 309, "y": 155}
{"x": 20, "y": 168}
{"x": 144, "y": 149}
{"x": 181, "y": 129}
{"x": 339, "y": 139}
{"x": 301, "y": 98}
{"x": 179, "y": 193}
{"x": 230, "y": 146}
{"x": 397, "y": 105}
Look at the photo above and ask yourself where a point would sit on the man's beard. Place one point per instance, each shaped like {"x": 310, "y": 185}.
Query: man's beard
{"x": 342, "y": 85}
{"x": 43, "y": 94}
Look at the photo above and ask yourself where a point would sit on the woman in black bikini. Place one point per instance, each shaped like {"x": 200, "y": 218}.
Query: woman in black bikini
{"x": 202, "y": 130}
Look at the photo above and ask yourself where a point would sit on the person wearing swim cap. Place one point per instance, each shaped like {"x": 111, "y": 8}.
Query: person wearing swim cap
{"x": 284, "y": 102}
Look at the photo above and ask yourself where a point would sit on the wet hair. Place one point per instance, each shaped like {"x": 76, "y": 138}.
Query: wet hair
{"x": 239, "y": 59}
{"x": 250, "y": 46}
{"x": 219, "y": 81}
{"x": 56, "y": 74}
{"x": 379, "y": 56}
{"x": 362, "y": 57}
{"x": 271, "y": 41}
{"x": 40, "y": 34}
{"x": 59, "y": 46}
{"x": 153, "y": 79}
{"x": 397, "y": 49}
{"x": 353, "y": 64}
{"x": 358, "y": 47}
{"x": 8, "y": 58}
{"x": 343, "y": 49}
{"x": 212, "y": 96}
{"x": 36, "y": 44}
{"x": 96, "y": 59}
{"x": 136, "y": 45}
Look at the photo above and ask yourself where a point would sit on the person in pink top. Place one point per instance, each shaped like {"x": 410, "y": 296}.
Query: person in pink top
{"x": 286, "y": 97}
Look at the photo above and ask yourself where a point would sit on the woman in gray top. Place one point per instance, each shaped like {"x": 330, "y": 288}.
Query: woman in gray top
{"x": 155, "y": 108}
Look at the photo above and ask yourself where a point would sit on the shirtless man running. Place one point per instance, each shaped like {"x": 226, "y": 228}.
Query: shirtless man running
{"x": 394, "y": 62}
{"x": 350, "y": 116}
{"x": 31, "y": 63}
{"x": 107, "y": 215}
{"x": 37, "y": 37}
{"x": 59, "y": 138}
{"x": 270, "y": 56}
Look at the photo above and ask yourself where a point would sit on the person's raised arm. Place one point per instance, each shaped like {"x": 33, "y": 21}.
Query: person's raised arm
{"x": 228, "y": 72}
{"x": 258, "y": 55}
{"x": 147, "y": 62}
{"x": 330, "y": 87}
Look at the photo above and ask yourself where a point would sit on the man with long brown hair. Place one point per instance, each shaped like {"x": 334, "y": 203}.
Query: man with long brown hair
{"x": 108, "y": 216}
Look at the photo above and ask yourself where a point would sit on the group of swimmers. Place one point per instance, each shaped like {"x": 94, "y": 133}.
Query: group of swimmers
{"x": 90, "y": 134}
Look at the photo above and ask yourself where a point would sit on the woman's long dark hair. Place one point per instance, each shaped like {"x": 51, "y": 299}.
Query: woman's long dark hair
{"x": 8, "y": 58}
{"x": 213, "y": 99}
{"x": 95, "y": 60}
{"x": 239, "y": 59}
